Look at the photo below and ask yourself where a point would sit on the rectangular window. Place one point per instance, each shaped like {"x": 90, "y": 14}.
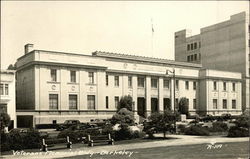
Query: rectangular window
{"x": 188, "y": 58}
{"x": 107, "y": 80}
{"x": 188, "y": 47}
{"x": 72, "y": 102}
{"x": 166, "y": 83}
{"x": 129, "y": 81}
{"x": 214, "y": 103}
{"x": 53, "y": 75}
{"x": 194, "y": 103}
{"x": 140, "y": 82}
{"x": 154, "y": 82}
{"x": 233, "y": 85}
{"x": 194, "y": 85}
{"x": 233, "y": 104}
{"x": 215, "y": 85}
{"x": 195, "y": 45}
{"x": 192, "y": 58}
{"x": 1, "y": 89}
{"x": 224, "y": 103}
{"x": 117, "y": 81}
{"x": 187, "y": 85}
{"x": 53, "y": 101}
{"x": 177, "y": 84}
{"x": 73, "y": 76}
{"x": 224, "y": 86}
{"x": 91, "y": 77}
{"x": 91, "y": 102}
{"x": 107, "y": 102}
{"x": 6, "y": 89}
{"x": 116, "y": 101}
{"x": 195, "y": 57}
{"x": 192, "y": 46}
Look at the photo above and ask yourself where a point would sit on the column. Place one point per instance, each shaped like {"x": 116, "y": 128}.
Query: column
{"x": 148, "y": 95}
{"x": 160, "y": 94}
{"x": 100, "y": 97}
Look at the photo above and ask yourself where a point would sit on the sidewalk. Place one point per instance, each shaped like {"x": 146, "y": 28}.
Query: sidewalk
{"x": 181, "y": 140}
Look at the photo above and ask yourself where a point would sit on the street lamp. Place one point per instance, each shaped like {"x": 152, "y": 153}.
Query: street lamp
{"x": 173, "y": 73}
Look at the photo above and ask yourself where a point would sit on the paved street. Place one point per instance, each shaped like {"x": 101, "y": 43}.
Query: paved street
{"x": 181, "y": 140}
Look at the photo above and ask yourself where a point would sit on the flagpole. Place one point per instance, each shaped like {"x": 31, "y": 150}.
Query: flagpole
{"x": 152, "y": 38}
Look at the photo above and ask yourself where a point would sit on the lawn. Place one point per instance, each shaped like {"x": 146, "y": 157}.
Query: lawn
{"x": 227, "y": 151}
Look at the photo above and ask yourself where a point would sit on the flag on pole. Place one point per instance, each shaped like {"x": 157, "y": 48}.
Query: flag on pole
{"x": 152, "y": 26}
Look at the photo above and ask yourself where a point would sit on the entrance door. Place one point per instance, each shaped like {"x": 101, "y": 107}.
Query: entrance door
{"x": 141, "y": 107}
{"x": 154, "y": 105}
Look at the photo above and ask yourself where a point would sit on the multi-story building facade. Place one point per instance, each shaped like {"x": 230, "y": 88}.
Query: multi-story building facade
{"x": 55, "y": 86}
{"x": 8, "y": 95}
{"x": 223, "y": 46}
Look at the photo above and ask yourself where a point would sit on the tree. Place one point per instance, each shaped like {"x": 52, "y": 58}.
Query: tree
{"x": 4, "y": 120}
{"x": 161, "y": 122}
{"x": 123, "y": 116}
{"x": 12, "y": 67}
{"x": 126, "y": 102}
{"x": 183, "y": 106}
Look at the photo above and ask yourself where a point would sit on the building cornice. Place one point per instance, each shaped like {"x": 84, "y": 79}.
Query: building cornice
{"x": 58, "y": 64}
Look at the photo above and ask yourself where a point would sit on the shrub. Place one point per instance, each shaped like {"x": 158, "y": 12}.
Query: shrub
{"x": 196, "y": 130}
{"x": 236, "y": 131}
{"x": 18, "y": 140}
{"x": 218, "y": 127}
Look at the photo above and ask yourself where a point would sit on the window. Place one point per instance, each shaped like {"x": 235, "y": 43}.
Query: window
{"x": 215, "y": 85}
{"x": 233, "y": 104}
{"x": 6, "y": 89}
{"x": 53, "y": 75}
{"x": 140, "y": 82}
{"x": 116, "y": 101}
{"x": 91, "y": 102}
{"x": 192, "y": 46}
{"x": 188, "y": 47}
{"x": 188, "y": 58}
{"x": 53, "y": 101}
{"x": 1, "y": 89}
{"x": 233, "y": 85}
{"x": 224, "y": 103}
{"x": 73, "y": 76}
{"x": 72, "y": 102}
{"x": 186, "y": 84}
{"x": 194, "y": 85}
{"x": 107, "y": 80}
{"x": 177, "y": 84}
{"x": 129, "y": 81}
{"x": 91, "y": 77}
{"x": 107, "y": 102}
{"x": 214, "y": 103}
{"x": 166, "y": 83}
{"x": 192, "y": 58}
{"x": 195, "y": 57}
{"x": 224, "y": 86}
{"x": 195, "y": 45}
{"x": 194, "y": 103}
{"x": 154, "y": 83}
{"x": 117, "y": 81}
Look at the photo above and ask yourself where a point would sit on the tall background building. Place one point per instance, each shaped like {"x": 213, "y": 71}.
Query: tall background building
{"x": 222, "y": 46}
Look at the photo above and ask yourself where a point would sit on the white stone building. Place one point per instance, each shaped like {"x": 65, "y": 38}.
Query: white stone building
{"x": 8, "y": 95}
{"x": 55, "y": 86}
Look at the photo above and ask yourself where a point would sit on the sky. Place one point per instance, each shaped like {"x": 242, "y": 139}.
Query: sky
{"x": 111, "y": 26}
